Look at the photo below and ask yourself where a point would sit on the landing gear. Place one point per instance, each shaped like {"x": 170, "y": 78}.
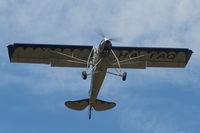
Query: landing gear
{"x": 84, "y": 75}
{"x": 119, "y": 71}
{"x": 124, "y": 76}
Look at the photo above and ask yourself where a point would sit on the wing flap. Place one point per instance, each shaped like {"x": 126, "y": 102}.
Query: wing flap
{"x": 66, "y": 63}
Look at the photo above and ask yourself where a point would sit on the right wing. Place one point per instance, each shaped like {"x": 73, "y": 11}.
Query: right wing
{"x": 142, "y": 57}
{"x": 55, "y": 55}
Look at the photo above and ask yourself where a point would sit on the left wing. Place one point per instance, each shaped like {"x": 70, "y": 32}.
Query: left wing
{"x": 55, "y": 55}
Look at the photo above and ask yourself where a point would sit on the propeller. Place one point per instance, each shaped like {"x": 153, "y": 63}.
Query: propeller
{"x": 100, "y": 32}
{"x": 114, "y": 39}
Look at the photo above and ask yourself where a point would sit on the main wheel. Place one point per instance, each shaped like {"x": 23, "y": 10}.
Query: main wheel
{"x": 124, "y": 76}
{"x": 84, "y": 75}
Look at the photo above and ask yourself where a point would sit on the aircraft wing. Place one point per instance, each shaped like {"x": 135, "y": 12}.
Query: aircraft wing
{"x": 142, "y": 57}
{"x": 55, "y": 55}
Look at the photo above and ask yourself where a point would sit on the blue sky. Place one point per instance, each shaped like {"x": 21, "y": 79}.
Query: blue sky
{"x": 153, "y": 100}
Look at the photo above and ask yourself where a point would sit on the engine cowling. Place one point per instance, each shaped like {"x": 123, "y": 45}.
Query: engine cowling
{"x": 106, "y": 46}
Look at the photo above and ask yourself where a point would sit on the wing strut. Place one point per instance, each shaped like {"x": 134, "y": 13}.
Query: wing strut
{"x": 72, "y": 57}
{"x": 89, "y": 57}
{"x": 119, "y": 71}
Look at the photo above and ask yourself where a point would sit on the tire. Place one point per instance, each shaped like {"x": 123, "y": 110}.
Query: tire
{"x": 84, "y": 75}
{"x": 124, "y": 76}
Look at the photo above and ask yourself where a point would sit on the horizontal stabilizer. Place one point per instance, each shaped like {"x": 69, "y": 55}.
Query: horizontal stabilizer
{"x": 100, "y": 105}
{"x": 77, "y": 105}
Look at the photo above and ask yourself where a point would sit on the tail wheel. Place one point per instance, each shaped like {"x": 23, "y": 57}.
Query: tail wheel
{"x": 124, "y": 76}
{"x": 84, "y": 75}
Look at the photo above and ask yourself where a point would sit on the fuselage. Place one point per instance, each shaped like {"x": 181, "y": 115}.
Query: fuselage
{"x": 100, "y": 61}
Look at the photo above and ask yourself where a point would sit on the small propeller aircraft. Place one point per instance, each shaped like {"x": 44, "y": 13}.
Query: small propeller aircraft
{"x": 97, "y": 60}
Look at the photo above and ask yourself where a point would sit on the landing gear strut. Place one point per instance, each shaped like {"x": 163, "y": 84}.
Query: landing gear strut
{"x": 124, "y": 74}
{"x": 84, "y": 75}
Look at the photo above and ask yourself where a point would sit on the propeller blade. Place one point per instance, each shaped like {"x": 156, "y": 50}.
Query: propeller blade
{"x": 100, "y": 32}
{"x": 116, "y": 39}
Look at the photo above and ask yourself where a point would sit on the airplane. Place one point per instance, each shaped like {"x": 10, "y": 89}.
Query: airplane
{"x": 96, "y": 60}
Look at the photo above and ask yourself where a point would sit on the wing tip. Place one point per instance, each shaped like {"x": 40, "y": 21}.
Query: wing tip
{"x": 10, "y": 50}
{"x": 190, "y": 52}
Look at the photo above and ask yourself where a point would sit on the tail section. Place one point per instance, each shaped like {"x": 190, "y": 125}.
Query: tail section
{"x": 77, "y": 105}
{"x": 98, "y": 105}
